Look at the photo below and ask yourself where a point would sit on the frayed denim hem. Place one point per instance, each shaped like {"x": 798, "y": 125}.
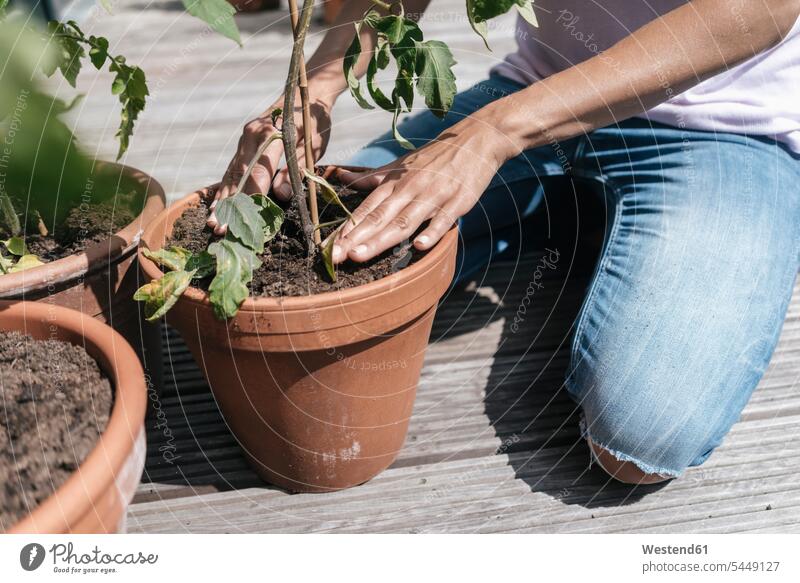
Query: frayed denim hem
{"x": 623, "y": 457}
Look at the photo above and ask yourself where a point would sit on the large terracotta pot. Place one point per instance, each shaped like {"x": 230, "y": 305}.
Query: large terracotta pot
{"x": 95, "y": 498}
{"x": 318, "y": 389}
{"x": 101, "y": 281}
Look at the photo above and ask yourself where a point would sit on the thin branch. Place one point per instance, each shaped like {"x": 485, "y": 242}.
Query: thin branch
{"x": 256, "y": 157}
{"x": 289, "y": 128}
{"x": 306, "y": 106}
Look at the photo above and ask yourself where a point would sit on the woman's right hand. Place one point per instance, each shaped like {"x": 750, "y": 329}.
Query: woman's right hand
{"x": 265, "y": 173}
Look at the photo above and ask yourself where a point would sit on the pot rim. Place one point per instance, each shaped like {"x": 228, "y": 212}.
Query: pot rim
{"x": 76, "y": 497}
{"x": 415, "y": 271}
{"x": 95, "y": 257}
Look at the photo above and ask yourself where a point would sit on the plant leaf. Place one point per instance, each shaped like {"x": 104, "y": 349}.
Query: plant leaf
{"x": 328, "y": 192}
{"x": 396, "y": 133}
{"x": 481, "y": 11}
{"x": 349, "y": 63}
{"x": 272, "y": 215}
{"x": 161, "y": 294}
{"x": 130, "y": 84}
{"x": 244, "y": 220}
{"x": 235, "y": 265}
{"x": 218, "y": 14}
{"x": 379, "y": 60}
{"x": 174, "y": 258}
{"x": 435, "y": 79}
{"x": 405, "y": 53}
{"x": 26, "y": 262}
{"x": 69, "y": 50}
{"x": 16, "y": 246}
{"x": 202, "y": 264}
{"x": 99, "y": 51}
{"x": 327, "y": 256}
{"x": 525, "y": 10}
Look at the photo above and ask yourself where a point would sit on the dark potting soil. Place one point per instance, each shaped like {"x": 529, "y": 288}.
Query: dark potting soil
{"x": 82, "y": 228}
{"x": 285, "y": 270}
{"x": 55, "y": 404}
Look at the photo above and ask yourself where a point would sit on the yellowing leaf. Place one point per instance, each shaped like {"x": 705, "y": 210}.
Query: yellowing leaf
{"x": 174, "y": 258}
{"x": 328, "y": 192}
{"x": 26, "y": 262}
{"x": 327, "y": 256}
{"x": 161, "y": 294}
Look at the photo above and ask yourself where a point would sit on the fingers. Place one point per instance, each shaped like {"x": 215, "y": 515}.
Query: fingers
{"x": 397, "y": 230}
{"x": 436, "y": 229}
{"x": 250, "y": 151}
{"x": 365, "y": 180}
{"x": 361, "y": 216}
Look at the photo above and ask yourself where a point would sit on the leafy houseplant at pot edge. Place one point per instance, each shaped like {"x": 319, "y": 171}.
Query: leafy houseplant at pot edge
{"x": 317, "y": 388}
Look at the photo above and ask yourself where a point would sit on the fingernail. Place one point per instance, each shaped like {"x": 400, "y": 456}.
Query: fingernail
{"x": 360, "y": 249}
{"x": 214, "y": 204}
{"x": 422, "y": 240}
{"x": 337, "y": 253}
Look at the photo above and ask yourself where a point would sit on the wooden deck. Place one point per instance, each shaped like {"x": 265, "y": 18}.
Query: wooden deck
{"x": 493, "y": 445}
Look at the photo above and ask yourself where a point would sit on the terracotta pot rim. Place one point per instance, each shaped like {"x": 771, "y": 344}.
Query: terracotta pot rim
{"x": 76, "y": 496}
{"x": 115, "y": 248}
{"x": 415, "y": 271}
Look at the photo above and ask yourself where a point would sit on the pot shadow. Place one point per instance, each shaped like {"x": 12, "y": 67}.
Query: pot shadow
{"x": 535, "y": 291}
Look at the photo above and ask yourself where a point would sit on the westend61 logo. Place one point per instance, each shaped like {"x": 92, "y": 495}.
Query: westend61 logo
{"x": 65, "y": 559}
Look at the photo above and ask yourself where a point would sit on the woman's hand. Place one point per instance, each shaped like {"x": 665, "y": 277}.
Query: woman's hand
{"x": 255, "y": 133}
{"x": 439, "y": 182}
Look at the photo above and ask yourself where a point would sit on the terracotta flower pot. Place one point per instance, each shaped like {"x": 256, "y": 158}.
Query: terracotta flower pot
{"x": 95, "y": 498}
{"x": 101, "y": 281}
{"x": 317, "y": 389}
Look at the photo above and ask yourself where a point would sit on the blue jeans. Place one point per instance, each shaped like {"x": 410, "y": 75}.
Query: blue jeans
{"x": 689, "y": 295}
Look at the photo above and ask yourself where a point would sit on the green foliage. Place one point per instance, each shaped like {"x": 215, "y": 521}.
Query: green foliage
{"x": 218, "y": 14}
{"x": 327, "y": 256}
{"x": 244, "y": 220}
{"x": 252, "y": 222}
{"x": 401, "y": 38}
{"x": 129, "y": 84}
{"x": 42, "y": 167}
{"x": 235, "y": 265}
{"x": 480, "y": 12}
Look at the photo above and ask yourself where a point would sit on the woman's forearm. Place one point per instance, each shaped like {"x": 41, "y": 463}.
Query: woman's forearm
{"x": 325, "y": 65}
{"x": 660, "y": 60}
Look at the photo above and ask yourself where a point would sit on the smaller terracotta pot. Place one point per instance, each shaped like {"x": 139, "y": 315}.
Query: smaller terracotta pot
{"x": 101, "y": 280}
{"x": 317, "y": 389}
{"x": 96, "y": 497}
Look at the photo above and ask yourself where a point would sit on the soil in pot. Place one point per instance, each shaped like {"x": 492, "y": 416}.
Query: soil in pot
{"x": 56, "y": 402}
{"x": 82, "y": 227}
{"x": 285, "y": 270}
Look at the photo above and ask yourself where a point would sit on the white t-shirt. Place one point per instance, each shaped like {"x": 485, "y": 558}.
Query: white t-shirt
{"x": 760, "y": 96}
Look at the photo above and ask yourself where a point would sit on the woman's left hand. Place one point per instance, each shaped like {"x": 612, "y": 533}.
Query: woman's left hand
{"x": 440, "y": 182}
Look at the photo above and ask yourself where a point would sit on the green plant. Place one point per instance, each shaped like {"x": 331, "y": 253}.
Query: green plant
{"x": 422, "y": 65}
{"x": 40, "y": 163}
